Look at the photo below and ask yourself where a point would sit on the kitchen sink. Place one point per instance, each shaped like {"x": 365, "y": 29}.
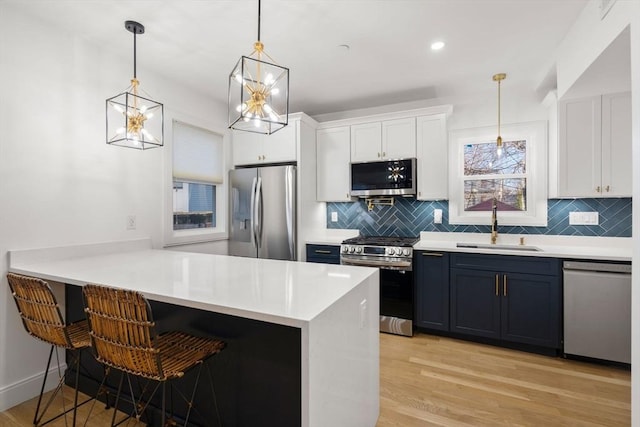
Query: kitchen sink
{"x": 499, "y": 247}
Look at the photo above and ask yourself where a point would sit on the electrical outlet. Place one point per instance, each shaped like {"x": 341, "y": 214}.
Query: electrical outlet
{"x": 437, "y": 216}
{"x": 131, "y": 222}
{"x": 334, "y": 216}
{"x": 583, "y": 218}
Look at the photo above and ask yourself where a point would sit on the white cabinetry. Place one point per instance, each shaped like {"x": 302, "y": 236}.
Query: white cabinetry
{"x": 333, "y": 168}
{"x": 253, "y": 148}
{"x": 389, "y": 139}
{"x": 594, "y": 153}
{"x": 432, "y": 157}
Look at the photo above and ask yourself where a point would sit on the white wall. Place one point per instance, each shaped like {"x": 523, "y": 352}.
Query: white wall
{"x": 635, "y": 295}
{"x": 60, "y": 183}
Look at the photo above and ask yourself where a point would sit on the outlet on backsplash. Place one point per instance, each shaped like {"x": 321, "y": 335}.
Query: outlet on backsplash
{"x": 583, "y": 218}
{"x": 334, "y": 216}
{"x": 437, "y": 216}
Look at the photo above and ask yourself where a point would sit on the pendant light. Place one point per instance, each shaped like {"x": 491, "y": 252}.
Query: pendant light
{"x": 499, "y": 78}
{"x": 133, "y": 120}
{"x": 258, "y": 92}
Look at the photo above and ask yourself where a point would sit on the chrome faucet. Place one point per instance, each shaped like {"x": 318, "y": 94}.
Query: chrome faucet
{"x": 494, "y": 221}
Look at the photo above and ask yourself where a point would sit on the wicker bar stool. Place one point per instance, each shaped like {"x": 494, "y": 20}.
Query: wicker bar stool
{"x": 124, "y": 337}
{"x": 42, "y": 319}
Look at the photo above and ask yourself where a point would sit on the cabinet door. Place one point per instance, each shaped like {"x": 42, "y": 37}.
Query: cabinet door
{"x": 616, "y": 145}
{"x": 432, "y": 157}
{"x": 246, "y": 148}
{"x": 280, "y": 146}
{"x": 580, "y": 147}
{"x": 366, "y": 142}
{"x": 475, "y": 303}
{"x": 399, "y": 138}
{"x": 333, "y": 168}
{"x": 432, "y": 290}
{"x": 531, "y": 309}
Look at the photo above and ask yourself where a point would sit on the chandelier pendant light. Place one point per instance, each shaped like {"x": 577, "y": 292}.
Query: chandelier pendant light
{"x": 258, "y": 92}
{"x": 134, "y": 120}
{"x": 499, "y": 78}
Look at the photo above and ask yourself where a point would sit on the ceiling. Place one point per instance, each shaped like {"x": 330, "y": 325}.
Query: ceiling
{"x": 388, "y": 61}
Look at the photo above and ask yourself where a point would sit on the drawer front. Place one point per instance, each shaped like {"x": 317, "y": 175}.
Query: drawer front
{"x": 323, "y": 253}
{"x": 507, "y": 263}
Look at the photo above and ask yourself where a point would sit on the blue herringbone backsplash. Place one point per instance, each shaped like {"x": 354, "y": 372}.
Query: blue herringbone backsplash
{"x": 409, "y": 217}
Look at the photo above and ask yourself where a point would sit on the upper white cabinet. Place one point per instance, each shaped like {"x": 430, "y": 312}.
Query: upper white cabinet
{"x": 594, "y": 146}
{"x": 253, "y": 148}
{"x": 333, "y": 168}
{"x": 389, "y": 139}
{"x": 432, "y": 170}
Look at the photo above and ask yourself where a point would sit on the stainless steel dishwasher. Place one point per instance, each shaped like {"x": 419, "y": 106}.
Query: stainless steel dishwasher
{"x": 597, "y": 310}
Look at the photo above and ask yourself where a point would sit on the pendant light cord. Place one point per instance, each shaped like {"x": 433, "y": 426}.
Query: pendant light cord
{"x": 258, "y": 20}
{"x": 499, "y": 107}
{"x": 134, "y": 54}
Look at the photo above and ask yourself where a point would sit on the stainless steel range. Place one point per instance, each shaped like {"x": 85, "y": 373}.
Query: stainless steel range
{"x": 394, "y": 257}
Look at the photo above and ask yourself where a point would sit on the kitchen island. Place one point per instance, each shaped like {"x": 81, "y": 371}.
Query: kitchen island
{"x": 303, "y": 346}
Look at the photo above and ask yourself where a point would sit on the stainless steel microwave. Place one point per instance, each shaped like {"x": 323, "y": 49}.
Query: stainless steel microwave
{"x": 384, "y": 178}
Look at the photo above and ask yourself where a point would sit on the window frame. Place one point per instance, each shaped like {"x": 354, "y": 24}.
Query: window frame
{"x": 196, "y": 235}
{"x": 535, "y": 135}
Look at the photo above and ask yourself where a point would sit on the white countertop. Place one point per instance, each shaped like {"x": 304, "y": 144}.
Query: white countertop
{"x": 330, "y": 236}
{"x": 578, "y": 247}
{"x": 282, "y": 292}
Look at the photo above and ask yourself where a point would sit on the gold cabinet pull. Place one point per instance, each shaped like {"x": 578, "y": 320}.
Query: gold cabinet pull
{"x": 384, "y": 154}
{"x": 378, "y": 154}
{"x": 431, "y": 254}
{"x": 497, "y": 284}
{"x": 607, "y": 188}
{"x": 322, "y": 251}
{"x": 598, "y": 189}
{"x": 504, "y": 285}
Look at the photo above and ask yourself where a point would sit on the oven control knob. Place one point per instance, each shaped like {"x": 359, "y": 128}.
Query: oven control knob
{"x": 391, "y": 251}
{"x": 358, "y": 249}
{"x": 351, "y": 249}
{"x": 406, "y": 252}
{"x": 345, "y": 249}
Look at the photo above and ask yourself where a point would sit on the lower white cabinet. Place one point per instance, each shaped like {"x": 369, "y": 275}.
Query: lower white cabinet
{"x": 432, "y": 169}
{"x": 333, "y": 164}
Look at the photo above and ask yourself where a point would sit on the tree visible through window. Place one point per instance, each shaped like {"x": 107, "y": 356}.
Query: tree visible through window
{"x": 488, "y": 175}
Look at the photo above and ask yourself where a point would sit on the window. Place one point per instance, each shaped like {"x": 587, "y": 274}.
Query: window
{"x": 517, "y": 178}
{"x": 197, "y": 190}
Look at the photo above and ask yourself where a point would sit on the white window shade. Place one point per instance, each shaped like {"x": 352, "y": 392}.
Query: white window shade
{"x": 197, "y": 155}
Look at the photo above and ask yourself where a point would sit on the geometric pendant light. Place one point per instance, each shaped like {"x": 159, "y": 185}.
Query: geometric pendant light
{"x": 134, "y": 120}
{"x": 258, "y": 92}
{"x": 499, "y": 78}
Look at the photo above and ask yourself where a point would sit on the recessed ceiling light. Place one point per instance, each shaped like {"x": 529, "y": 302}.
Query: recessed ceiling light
{"x": 344, "y": 47}
{"x": 437, "y": 45}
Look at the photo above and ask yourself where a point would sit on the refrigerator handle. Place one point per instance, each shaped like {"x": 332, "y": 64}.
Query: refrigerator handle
{"x": 258, "y": 213}
{"x": 253, "y": 212}
{"x": 290, "y": 211}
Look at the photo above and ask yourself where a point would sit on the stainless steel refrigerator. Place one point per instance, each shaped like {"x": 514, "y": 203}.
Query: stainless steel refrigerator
{"x": 263, "y": 212}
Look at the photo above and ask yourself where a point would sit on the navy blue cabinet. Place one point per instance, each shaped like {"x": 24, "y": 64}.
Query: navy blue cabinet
{"x": 432, "y": 290}
{"x": 510, "y": 298}
{"x": 327, "y": 254}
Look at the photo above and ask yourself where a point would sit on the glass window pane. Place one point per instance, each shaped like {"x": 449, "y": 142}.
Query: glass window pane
{"x": 483, "y": 159}
{"x": 510, "y": 193}
{"x": 193, "y": 205}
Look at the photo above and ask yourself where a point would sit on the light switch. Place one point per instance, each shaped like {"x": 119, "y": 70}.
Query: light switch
{"x": 334, "y": 216}
{"x": 437, "y": 216}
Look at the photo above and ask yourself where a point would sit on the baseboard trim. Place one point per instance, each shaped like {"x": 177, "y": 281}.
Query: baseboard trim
{"x": 27, "y": 388}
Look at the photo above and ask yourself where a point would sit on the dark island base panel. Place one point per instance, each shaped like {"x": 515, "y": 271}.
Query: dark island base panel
{"x": 257, "y": 377}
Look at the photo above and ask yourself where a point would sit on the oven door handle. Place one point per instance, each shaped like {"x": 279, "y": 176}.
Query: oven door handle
{"x": 373, "y": 263}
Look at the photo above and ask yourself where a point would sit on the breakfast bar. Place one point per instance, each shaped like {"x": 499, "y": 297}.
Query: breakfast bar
{"x": 302, "y": 339}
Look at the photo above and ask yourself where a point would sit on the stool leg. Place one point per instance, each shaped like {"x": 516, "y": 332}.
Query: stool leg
{"x": 77, "y": 356}
{"x": 44, "y": 382}
{"x": 115, "y": 406}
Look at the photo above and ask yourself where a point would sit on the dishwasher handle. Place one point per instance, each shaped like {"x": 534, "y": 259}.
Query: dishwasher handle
{"x": 596, "y": 266}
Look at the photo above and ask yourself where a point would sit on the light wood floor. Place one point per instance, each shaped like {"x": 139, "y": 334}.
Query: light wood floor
{"x": 433, "y": 381}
